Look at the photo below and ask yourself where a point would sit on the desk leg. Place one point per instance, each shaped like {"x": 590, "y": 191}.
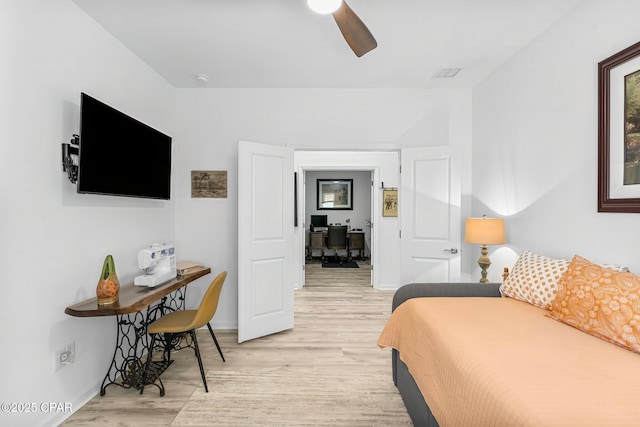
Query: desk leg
{"x": 132, "y": 345}
{"x": 170, "y": 303}
{"x": 126, "y": 362}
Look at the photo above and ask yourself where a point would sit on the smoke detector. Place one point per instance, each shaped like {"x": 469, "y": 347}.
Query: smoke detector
{"x": 202, "y": 78}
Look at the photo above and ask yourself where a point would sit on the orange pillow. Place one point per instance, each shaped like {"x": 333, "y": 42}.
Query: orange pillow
{"x": 600, "y": 301}
{"x": 534, "y": 279}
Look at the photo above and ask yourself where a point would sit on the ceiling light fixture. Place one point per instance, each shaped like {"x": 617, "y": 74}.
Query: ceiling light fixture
{"x": 324, "y": 7}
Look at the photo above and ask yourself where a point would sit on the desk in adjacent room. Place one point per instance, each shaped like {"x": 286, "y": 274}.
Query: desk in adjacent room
{"x": 136, "y": 308}
{"x": 355, "y": 241}
{"x": 317, "y": 241}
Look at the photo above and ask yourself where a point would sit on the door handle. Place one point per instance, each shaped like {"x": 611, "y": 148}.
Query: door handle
{"x": 452, "y": 250}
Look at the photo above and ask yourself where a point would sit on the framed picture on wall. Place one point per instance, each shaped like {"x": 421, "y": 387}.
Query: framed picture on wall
{"x": 209, "y": 184}
{"x": 335, "y": 194}
{"x": 619, "y": 132}
{"x": 390, "y": 202}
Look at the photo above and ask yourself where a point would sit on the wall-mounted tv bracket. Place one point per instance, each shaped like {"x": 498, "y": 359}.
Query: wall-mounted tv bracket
{"x": 70, "y": 152}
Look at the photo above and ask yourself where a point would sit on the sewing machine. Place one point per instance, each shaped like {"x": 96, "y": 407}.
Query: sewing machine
{"x": 158, "y": 263}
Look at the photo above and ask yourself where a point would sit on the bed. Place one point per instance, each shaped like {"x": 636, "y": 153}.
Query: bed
{"x": 463, "y": 356}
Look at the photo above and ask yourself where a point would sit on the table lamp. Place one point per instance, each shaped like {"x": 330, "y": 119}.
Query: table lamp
{"x": 484, "y": 231}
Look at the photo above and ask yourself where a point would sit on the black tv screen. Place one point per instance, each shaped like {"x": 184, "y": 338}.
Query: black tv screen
{"x": 120, "y": 155}
{"x": 319, "y": 220}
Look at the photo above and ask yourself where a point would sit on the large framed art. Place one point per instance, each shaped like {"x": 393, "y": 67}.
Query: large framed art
{"x": 619, "y": 132}
{"x": 335, "y": 194}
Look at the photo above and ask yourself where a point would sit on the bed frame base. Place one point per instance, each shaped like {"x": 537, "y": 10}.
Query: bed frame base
{"x": 412, "y": 397}
{"x": 414, "y": 401}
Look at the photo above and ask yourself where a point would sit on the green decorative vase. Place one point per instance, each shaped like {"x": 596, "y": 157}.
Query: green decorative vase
{"x": 108, "y": 286}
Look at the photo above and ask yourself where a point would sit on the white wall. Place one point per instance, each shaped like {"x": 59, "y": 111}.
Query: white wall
{"x": 535, "y": 142}
{"x": 54, "y": 240}
{"x": 460, "y": 138}
{"x": 358, "y": 216}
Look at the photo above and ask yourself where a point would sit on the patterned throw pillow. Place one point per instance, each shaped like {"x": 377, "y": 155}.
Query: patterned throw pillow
{"x": 534, "y": 279}
{"x": 600, "y": 301}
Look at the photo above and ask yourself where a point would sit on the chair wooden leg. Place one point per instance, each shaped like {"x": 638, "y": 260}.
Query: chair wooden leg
{"x": 215, "y": 340}
{"x": 197, "y": 350}
{"x": 147, "y": 365}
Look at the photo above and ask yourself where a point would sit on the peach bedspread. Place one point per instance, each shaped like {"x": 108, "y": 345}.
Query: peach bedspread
{"x": 501, "y": 362}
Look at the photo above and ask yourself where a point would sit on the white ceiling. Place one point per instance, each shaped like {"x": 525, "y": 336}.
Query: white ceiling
{"x": 282, "y": 44}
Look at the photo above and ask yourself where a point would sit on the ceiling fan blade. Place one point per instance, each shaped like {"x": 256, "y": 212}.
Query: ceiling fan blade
{"x": 357, "y": 35}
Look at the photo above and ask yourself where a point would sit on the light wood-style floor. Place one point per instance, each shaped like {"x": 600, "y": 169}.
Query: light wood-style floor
{"x": 327, "y": 371}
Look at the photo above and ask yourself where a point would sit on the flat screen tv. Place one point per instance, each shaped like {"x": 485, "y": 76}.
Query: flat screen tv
{"x": 121, "y": 156}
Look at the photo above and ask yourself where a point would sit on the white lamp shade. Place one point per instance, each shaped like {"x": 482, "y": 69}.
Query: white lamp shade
{"x": 484, "y": 231}
{"x": 324, "y": 7}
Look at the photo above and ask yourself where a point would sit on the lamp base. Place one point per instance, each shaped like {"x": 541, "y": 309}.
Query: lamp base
{"x": 484, "y": 262}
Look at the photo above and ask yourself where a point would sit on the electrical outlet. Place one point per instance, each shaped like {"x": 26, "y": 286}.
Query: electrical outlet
{"x": 64, "y": 356}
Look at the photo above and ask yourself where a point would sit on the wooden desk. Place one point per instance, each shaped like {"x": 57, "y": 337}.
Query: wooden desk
{"x": 317, "y": 241}
{"x": 137, "y": 307}
{"x": 133, "y": 298}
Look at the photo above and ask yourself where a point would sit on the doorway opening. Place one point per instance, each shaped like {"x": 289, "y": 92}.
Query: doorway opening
{"x": 351, "y": 211}
{"x": 383, "y": 170}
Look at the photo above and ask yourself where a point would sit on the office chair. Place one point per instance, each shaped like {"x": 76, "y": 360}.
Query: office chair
{"x": 337, "y": 239}
{"x": 316, "y": 241}
{"x": 187, "y": 321}
{"x": 356, "y": 242}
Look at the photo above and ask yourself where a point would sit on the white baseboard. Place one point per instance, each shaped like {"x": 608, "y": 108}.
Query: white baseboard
{"x": 59, "y": 417}
{"x": 223, "y": 326}
{"x": 387, "y": 286}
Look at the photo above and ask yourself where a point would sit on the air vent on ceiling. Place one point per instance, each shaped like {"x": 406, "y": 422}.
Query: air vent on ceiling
{"x": 446, "y": 73}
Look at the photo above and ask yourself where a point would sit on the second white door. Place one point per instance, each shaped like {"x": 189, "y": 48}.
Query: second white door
{"x": 429, "y": 215}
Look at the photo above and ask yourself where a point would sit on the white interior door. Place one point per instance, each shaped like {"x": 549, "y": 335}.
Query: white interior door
{"x": 429, "y": 215}
{"x": 265, "y": 240}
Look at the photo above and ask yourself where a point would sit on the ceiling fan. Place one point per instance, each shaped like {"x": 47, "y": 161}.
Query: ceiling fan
{"x": 354, "y": 31}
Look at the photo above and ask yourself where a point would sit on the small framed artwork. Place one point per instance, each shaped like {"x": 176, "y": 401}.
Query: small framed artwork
{"x": 619, "y": 132}
{"x": 390, "y": 202}
{"x": 209, "y": 184}
{"x": 335, "y": 194}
